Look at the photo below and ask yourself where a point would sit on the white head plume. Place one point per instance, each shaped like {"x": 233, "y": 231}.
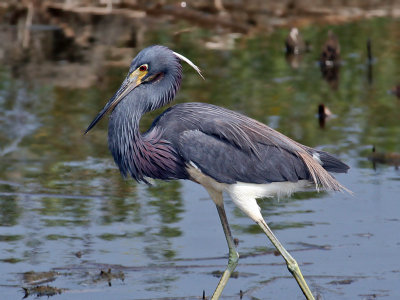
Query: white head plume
{"x": 189, "y": 62}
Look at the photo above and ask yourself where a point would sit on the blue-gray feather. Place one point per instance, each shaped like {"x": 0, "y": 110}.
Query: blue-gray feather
{"x": 231, "y": 147}
{"x": 225, "y": 145}
{"x": 147, "y": 155}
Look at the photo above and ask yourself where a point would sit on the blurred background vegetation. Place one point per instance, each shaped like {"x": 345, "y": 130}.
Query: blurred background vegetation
{"x": 86, "y": 35}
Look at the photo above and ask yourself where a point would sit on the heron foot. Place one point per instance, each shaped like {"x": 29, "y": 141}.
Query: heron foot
{"x": 232, "y": 263}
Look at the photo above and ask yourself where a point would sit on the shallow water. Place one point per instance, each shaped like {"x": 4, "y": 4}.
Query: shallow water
{"x": 65, "y": 209}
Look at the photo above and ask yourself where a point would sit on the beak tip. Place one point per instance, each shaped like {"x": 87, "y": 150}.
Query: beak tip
{"x": 118, "y": 96}
{"x": 89, "y": 128}
{"x": 91, "y": 125}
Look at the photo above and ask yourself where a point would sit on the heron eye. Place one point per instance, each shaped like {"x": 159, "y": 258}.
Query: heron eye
{"x": 143, "y": 68}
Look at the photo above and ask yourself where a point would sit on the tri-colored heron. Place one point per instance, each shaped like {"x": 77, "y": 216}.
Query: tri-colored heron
{"x": 222, "y": 150}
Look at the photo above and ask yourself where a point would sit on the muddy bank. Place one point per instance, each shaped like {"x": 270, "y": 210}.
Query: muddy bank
{"x": 238, "y": 16}
{"x": 55, "y": 40}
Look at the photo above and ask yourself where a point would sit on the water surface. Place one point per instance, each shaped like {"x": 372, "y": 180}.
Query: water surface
{"x": 65, "y": 209}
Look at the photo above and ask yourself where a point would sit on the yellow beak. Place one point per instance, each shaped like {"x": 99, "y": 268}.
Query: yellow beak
{"x": 130, "y": 83}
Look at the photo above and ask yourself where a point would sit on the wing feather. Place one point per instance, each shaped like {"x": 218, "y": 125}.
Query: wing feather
{"x": 232, "y": 147}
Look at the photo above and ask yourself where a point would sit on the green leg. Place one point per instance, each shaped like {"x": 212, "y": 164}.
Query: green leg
{"x": 233, "y": 255}
{"x": 290, "y": 261}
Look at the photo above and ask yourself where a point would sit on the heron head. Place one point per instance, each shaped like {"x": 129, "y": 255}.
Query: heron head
{"x": 153, "y": 66}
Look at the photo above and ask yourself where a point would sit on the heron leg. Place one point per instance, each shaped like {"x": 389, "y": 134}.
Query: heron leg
{"x": 233, "y": 254}
{"x": 290, "y": 261}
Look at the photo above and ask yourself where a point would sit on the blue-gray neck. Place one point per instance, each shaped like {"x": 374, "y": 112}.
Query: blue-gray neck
{"x": 135, "y": 154}
{"x": 123, "y": 135}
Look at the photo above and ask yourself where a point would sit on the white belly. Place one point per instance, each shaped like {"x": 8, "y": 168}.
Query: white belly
{"x": 244, "y": 194}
